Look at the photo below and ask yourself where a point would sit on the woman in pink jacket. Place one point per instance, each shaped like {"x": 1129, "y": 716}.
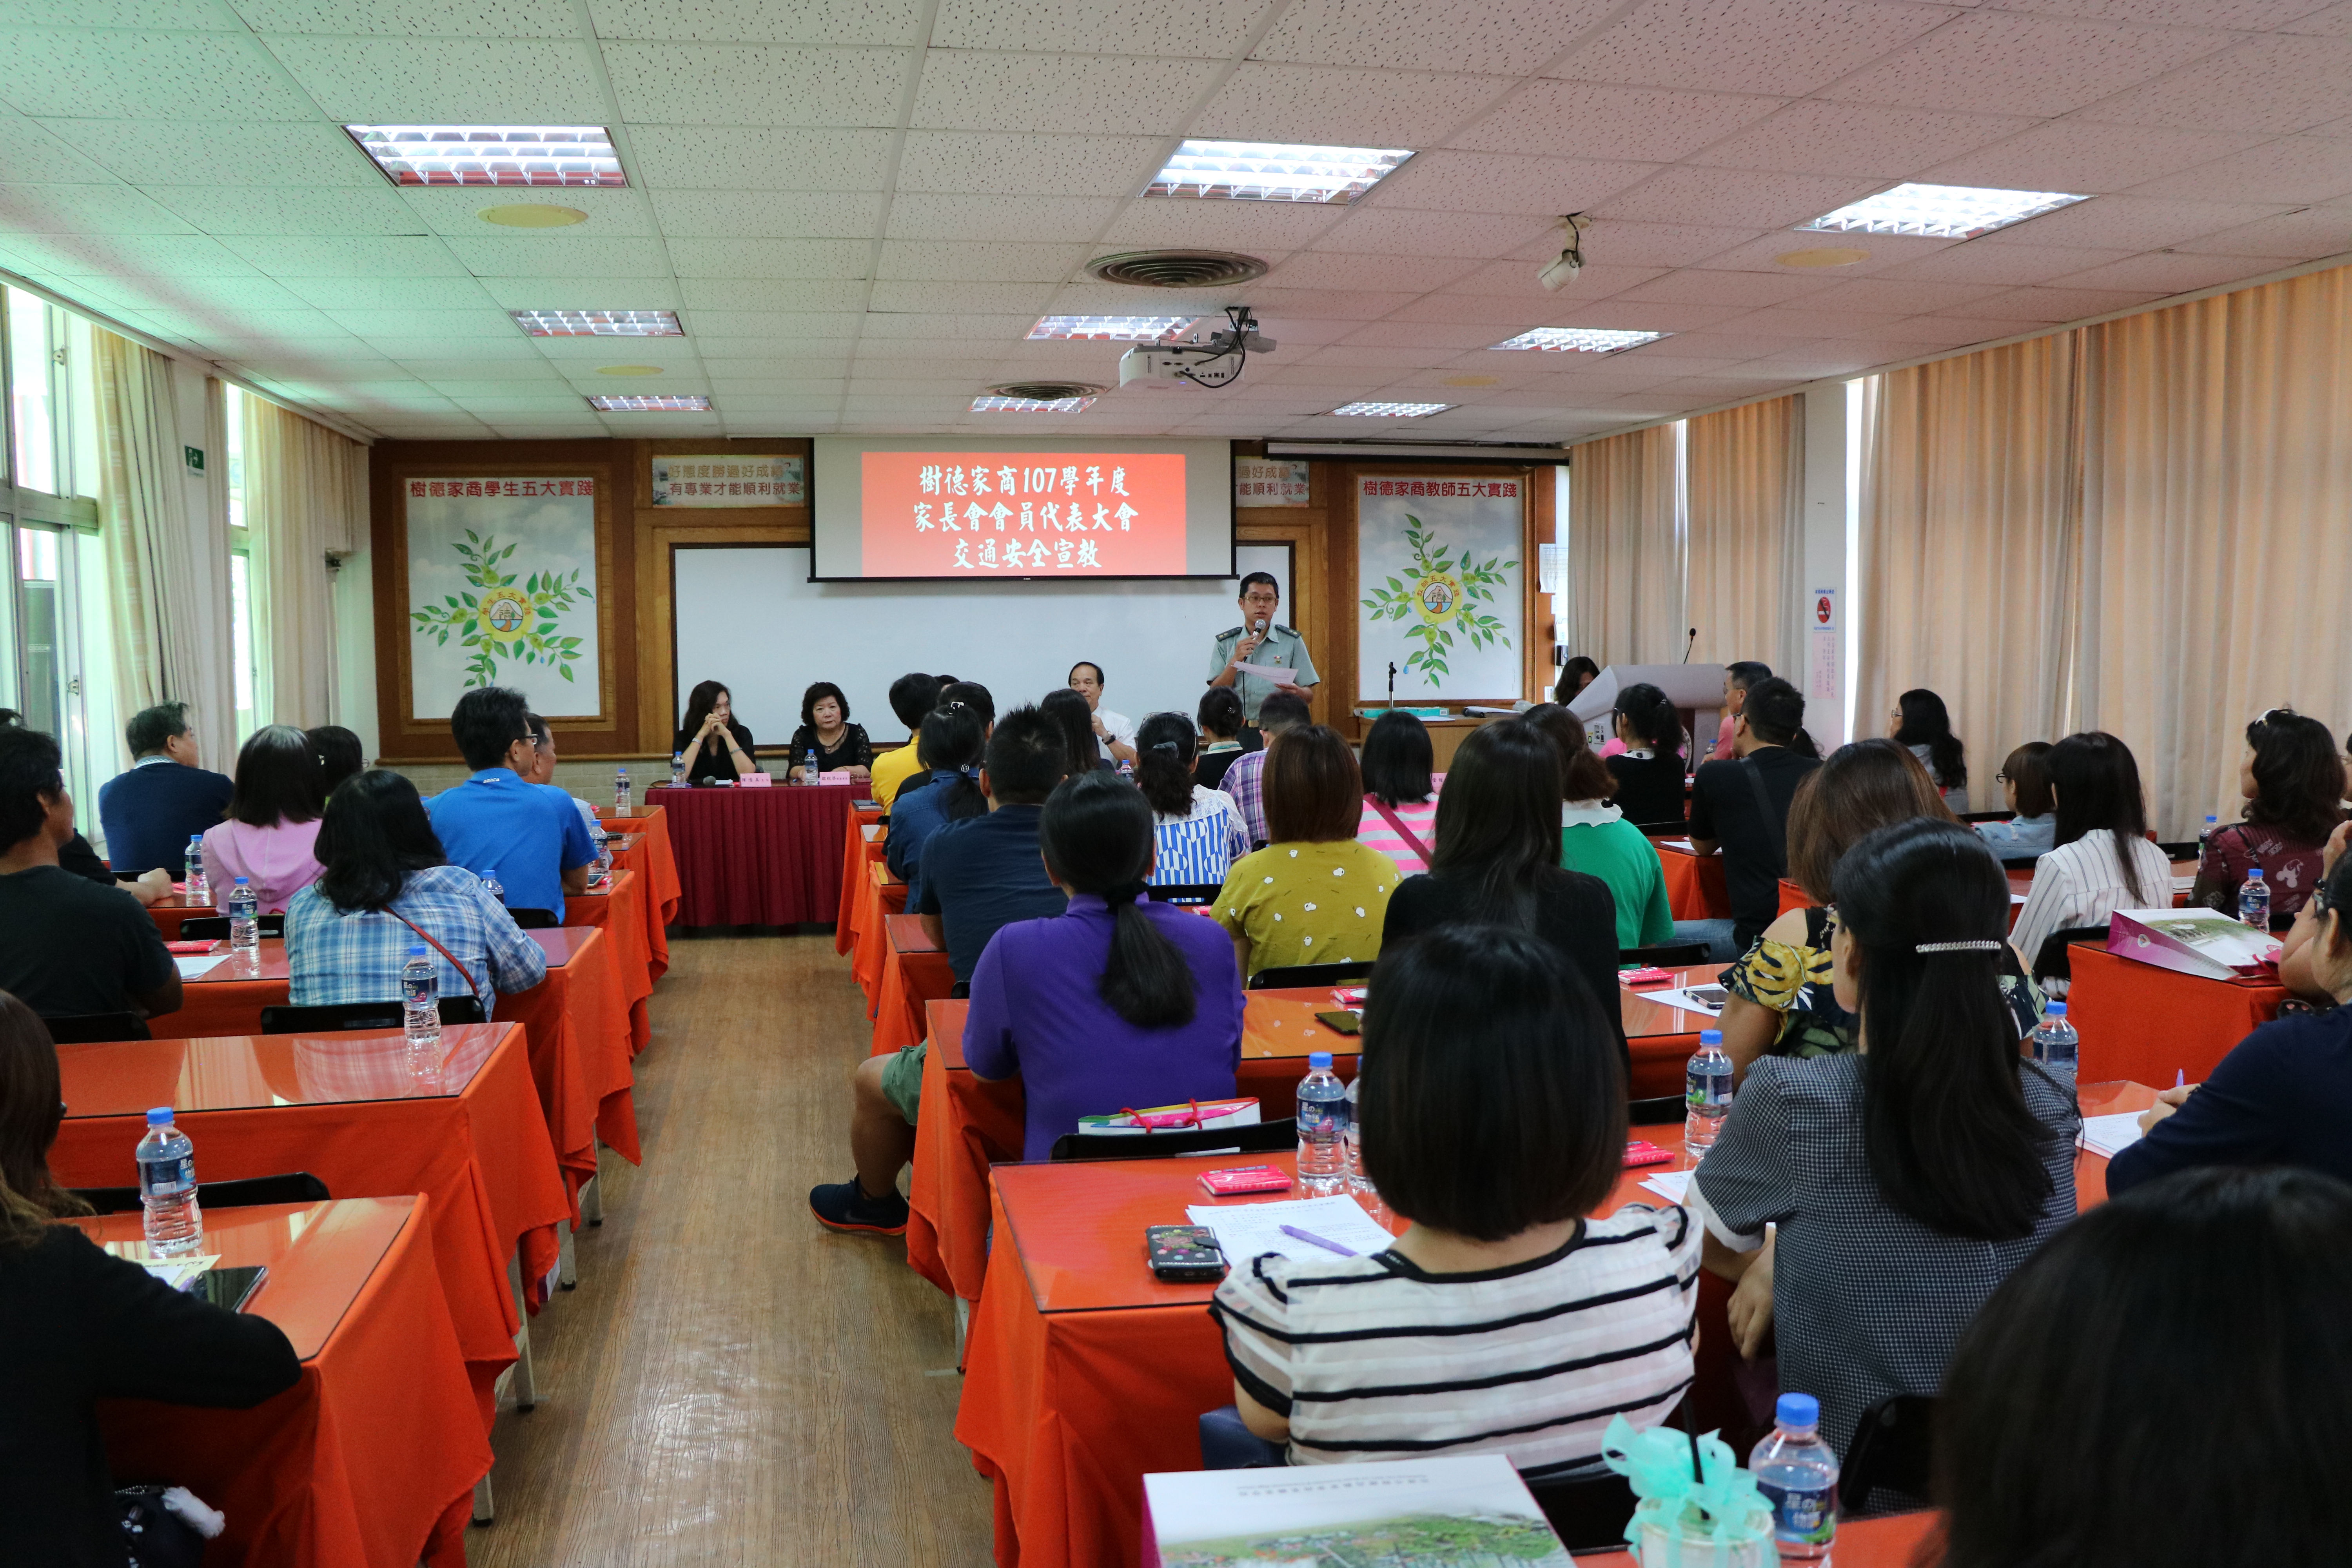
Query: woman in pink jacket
{"x": 273, "y": 820}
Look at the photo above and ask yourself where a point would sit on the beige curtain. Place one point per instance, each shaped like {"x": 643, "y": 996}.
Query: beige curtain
{"x": 2217, "y": 540}
{"x": 1972, "y": 500}
{"x": 1745, "y": 489}
{"x": 305, "y": 491}
{"x": 1624, "y": 550}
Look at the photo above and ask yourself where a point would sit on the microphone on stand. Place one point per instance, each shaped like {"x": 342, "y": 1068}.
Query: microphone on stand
{"x": 1391, "y": 683}
{"x": 1689, "y": 643}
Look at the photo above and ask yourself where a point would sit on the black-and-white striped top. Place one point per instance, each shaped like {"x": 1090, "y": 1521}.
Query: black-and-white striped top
{"x": 1374, "y": 1358}
{"x": 1867, "y": 1302}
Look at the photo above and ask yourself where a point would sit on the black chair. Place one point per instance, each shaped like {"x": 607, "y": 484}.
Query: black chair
{"x": 337, "y": 1017}
{"x": 1891, "y": 1448}
{"x": 1183, "y": 893}
{"x": 1589, "y": 1513}
{"x": 214, "y": 928}
{"x": 961, "y": 991}
{"x": 1262, "y": 1138}
{"x": 1676, "y": 829}
{"x": 2188, "y": 849}
{"x": 1986, "y": 815}
{"x": 534, "y": 920}
{"x": 81, "y": 1028}
{"x": 1309, "y": 975}
{"x": 1663, "y": 1111}
{"x": 2054, "y": 962}
{"x": 293, "y": 1187}
{"x": 1665, "y": 955}
{"x": 2019, "y": 862}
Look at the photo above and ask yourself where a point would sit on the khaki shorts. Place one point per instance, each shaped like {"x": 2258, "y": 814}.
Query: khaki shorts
{"x": 902, "y": 1081}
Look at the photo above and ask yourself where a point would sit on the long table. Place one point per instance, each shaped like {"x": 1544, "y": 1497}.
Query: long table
{"x": 617, "y": 908}
{"x": 915, "y": 973}
{"x": 371, "y": 1460}
{"x": 2136, "y": 1021}
{"x": 646, "y": 848}
{"x": 757, "y": 856}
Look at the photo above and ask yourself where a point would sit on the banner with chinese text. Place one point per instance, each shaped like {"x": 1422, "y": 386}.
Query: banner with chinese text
{"x": 1270, "y": 481}
{"x": 502, "y": 591}
{"x": 928, "y": 514}
{"x": 1439, "y": 579}
{"x": 724, "y": 480}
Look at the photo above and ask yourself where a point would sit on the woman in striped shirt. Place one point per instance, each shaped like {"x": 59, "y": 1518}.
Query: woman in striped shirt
{"x": 1503, "y": 1319}
{"x": 1199, "y": 832}
{"x": 1399, "y": 790}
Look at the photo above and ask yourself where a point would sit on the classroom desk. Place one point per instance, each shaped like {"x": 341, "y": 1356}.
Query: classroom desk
{"x": 2020, "y": 884}
{"x": 757, "y": 856}
{"x": 370, "y": 1460}
{"x": 618, "y": 908}
{"x": 861, "y": 842}
{"x": 1695, "y": 886}
{"x": 2138, "y": 1021}
{"x": 1084, "y": 1372}
{"x": 646, "y": 850}
{"x": 172, "y": 908}
{"x": 879, "y": 893}
{"x": 348, "y": 1108}
{"x": 915, "y": 970}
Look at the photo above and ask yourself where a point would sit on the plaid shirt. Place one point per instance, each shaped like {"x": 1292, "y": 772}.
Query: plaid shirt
{"x": 1245, "y": 782}
{"x": 333, "y": 956}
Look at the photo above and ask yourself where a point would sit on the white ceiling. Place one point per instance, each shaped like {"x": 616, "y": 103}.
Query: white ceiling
{"x": 860, "y": 207}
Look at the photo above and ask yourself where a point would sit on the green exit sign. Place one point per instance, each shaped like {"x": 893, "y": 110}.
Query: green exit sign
{"x": 195, "y": 458}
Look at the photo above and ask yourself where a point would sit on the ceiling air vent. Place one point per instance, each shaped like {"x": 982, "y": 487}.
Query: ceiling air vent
{"x": 1045, "y": 390}
{"x": 1176, "y": 268}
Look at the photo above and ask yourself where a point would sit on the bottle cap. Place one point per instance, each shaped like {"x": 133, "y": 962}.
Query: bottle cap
{"x": 1318, "y": 1062}
{"x": 2053, "y": 1009}
{"x": 160, "y": 1117}
{"x": 2251, "y": 872}
{"x": 415, "y": 950}
{"x": 1798, "y": 1410}
{"x": 1710, "y": 1037}
{"x": 240, "y": 881}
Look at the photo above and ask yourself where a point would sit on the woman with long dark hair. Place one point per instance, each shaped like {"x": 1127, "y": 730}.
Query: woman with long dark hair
{"x": 2292, "y": 782}
{"x": 386, "y": 887}
{"x": 715, "y": 745}
{"x": 1906, "y": 1179}
{"x": 83, "y": 1325}
{"x": 1497, "y": 860}
{"x": 840, "y": 745}
{"x": 1220, "y": 718}
{"x": 1649, "y": 771}
{"x": 1400, "y": 790}
{"x": 2103, "y": 861}
{"x": 1921, "y": 722}
{"x": 1067, "y": 709}
{"x": 273, "y": 820}
{"x": 1577, "y": 674}
{"x": 1314, "y": 894}
{"x": 949, "y": 743}
{"x": 1117, "y": 1004}
{"x": 1199, "y": 832}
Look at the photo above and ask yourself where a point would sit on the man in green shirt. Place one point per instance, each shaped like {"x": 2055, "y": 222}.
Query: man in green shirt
{"x": 1261, "y": 642}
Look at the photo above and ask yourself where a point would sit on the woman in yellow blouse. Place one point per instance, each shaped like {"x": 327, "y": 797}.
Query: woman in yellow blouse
{"x": 1314, "y": 894}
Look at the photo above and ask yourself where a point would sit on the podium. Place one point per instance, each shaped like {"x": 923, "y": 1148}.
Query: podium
{"x": 1696, "y": 688}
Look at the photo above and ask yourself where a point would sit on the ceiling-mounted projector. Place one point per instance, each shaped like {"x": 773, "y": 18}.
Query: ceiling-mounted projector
{"x": 1213, "y": 361}
{"x": 1561, "y": 271}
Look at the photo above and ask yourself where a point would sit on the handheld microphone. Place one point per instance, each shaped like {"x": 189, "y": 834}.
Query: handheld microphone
{"x": 1258, "y": 627}
{"x": 1689, "y": 643}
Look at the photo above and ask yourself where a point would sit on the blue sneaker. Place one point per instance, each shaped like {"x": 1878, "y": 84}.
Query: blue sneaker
{"x": 844, "y": 1206}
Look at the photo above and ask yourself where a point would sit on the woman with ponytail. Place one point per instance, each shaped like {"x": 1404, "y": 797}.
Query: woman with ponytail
{"x": 1649, "y": 771}
{"x": 1199, "y": 830}
{"x": 1117, "y": 1003}
{"x": 949, "y": 744}
{"x": 1909, "y": 1178}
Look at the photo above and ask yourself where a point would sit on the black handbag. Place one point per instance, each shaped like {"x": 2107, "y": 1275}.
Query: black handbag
{"x": 152, "y": 1535}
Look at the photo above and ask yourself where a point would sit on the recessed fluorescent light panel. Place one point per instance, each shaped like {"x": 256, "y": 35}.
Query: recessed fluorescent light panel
{"x": 1940, "y": 212}
{"x": 1580, "y": 339}
{"x": 1392, "y": 410}
{"x": 599, "y": 323}
{"x": 1274, "y": 171}
{"x": 1030, "y": 404}
{"x": 665, "y": 404}
{"x": 1112, "y": 329}
{"x": 492, "y": 155}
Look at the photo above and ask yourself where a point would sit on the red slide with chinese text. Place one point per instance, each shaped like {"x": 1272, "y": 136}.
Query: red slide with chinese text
{"x": 1022, "y": 514}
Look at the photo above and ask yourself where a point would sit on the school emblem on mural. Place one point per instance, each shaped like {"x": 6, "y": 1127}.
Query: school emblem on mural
{"x": 1446, "y": 592}
{"x": 504, "y": 616}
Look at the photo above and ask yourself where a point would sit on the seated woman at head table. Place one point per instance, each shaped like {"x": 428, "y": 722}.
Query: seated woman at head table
{"x": 840, "y": 745}
{"x": 715, "y": 747}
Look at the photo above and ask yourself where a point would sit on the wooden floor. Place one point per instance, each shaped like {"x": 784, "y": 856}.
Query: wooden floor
{"x": 730, "y": 1384}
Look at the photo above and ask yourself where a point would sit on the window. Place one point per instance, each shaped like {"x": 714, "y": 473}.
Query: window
{"x": 244, "y": 675}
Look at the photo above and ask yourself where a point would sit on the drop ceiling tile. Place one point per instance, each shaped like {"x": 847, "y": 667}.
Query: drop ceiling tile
{"x": 122, "y": 255}
{"x": 1747, "y": 46}
{"x": 422, "y": 18}
{"x": 1330, "y": 269}
{"x": 769, "y": 215}
{"x": 756, "y": 84}
{"x": 2291, "y": 169}
{"x": 1818, "y": 137}
{"x": 568, "y": 355}
{"x": 1901, "y": 296}
{"x": 1003, "y": 262}
{"x": 778, "y": 357}
{"x": 989, "y": 327}
{"x": 1265, "y": 103}
{"x": 1452, "y": 181}
{"x": 2000, "y": 62}
{"x": 925, "y": 215}
{"x": 1477, "y": 237}
{"x": 208, "y": 293}
{"x": 771, "y": 294}
{"x": 1628, "y": 316}
{"x": 458, "y": 212}
{"x": 1027, "y": 298}
{"x": 1444, "y": 338}
{"x": 1694, "y": 286}
{"x": 739, "y": 406}
{"x": 442, "y": 80}
{"x": 1210, "y": 29}
{"x": 956, "y": 161}
{"x": 570, "y": 293}
{"x": 756, "y": 158}
{"x": 98, "y": 75}
{"x": 85, "y": 210}
{"x": 2051, "y": 304}
{"x": 1515, "y": 281}
{"x": 251, "y": 325}
{"x": 286, "y": 257}
{"x": 2131, "y": 223}
{"x": 1881, "y": 253}
{"x": 33, "y": 153}
{"x": 1728, "y": 344}
{"x": 1946, "y": 332}
{"x": 1087, "y": 94}
{"x": 1825, "y": 361}
{"x": 1254, "y": 228}
{"x": 1797, "y": 321}
{"x": 2087, "y": 157}
{"x": 2303, "y": 235}
{"x": 2279, "y": 85}
{"x": 539, "y": 257}
{"x": 513, "y": 384}
{"x": 1503, "y": 38}
{"x": 415, "y": 351}
{"x": 1591, "y": 120}
{"x": 2009, "y": 264}
{"x": 2240, "y": 15}
{"x": 2172, "y": 273}
{"x": 492, "y": 408}
{"x": 837, "y": 259}
{"x": 291, "y": 210}
{"x": 451, "y": 324}
{"x": 727, "y": 326}
{"x": 2332, "y": 20}
{"x": 882, "y": 22}
{"x": 1611, "y": 242}
{"x": 182, "y": 152}
{"x": 1501, "y": 315}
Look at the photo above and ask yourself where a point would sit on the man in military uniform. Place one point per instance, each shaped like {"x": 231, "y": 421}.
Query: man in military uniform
{"x": 1259, "y": 640}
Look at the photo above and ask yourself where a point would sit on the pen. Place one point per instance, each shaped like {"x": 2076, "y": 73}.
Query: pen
{"x": 2180, "y": 1076}
{"x": 1319, "y": 1241}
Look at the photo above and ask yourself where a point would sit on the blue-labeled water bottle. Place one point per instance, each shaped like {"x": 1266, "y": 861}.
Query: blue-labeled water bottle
{"x": 1322, "y": 1128}
{"x": 604, "y": 852}
{"x": 1798, "y": 1474}
{"x": 244, "y": 919}
{"x": 198, "y": 893}
{"x": 1707, "y": 1092}
{"x": 2254, "y": 900}
{"x": 420, "y": 1002}
{"x": 809, "y": 767}
{"x": 677, "y": 770}
{"x": 492, "y": 885}
{"x": 621, "y": 790}
{"x": 2056, "y": 1043}
{"x": 167, "y": 1188}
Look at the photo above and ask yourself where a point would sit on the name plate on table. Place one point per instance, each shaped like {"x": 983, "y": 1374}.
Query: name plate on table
{"x": 2204, "y": 942}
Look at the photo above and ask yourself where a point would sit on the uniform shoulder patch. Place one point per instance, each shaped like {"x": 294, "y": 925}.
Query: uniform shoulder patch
{"x": 1232, "y": 632}
{"x": 1280, "y": 627}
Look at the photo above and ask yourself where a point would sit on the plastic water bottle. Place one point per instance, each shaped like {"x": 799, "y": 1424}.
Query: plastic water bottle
{"x": 808, "y": 766}
{"x": 678, "y": 770}
{"x": 244, "y": 927}
{"x": 2254, "y": 900}
{"x": 621, "y": 792}
{"x": 1706, "y": 1091}
{"x": 1798, "y": 1474}
{"x": 492, "y": 885}
{"x": 1357, "y": 1181}
{"x": 167, "y": 1188}
{"x": 1322, "y": 1128}
{"x": 420, "y": 1002}
{"x": 2056, "y": 1043}
{"x": 603, "y": 853}
{"x": 2212, "y": 824}
{"x": 198, "y": 892}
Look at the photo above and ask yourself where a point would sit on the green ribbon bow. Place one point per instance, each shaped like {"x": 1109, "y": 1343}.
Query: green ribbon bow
{"x": 1720, "y": 1503}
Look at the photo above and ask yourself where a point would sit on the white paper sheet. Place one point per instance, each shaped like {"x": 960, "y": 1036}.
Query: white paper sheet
{"x": 1671, "y": 1186}
{"x": 2111, "y": 1135}
{"x": 197, "y": 967}
{"x": 1251, "y": 1230}
{"x": 1280, "y": 674}
{"x": 1679, "y": 997}
{"x": 1684, "y": 844}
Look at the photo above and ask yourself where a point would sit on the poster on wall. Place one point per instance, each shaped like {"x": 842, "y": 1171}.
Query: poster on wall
{"x": 1270, "y": 481}
{"x": 686, "y": 479}
{"x": 1439, "y": 580}
{"x": 502, "y": 591}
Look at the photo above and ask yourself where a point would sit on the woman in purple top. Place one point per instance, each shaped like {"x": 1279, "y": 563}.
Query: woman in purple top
{"x": 1116, "y": 1005}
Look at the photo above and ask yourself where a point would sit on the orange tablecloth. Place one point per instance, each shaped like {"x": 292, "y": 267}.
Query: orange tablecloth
{"x": 619, "y": 911}
{"x": 579, "y": 1052}
{"x": 346, "y": 1108}
{"x": 170, "y": 910}
{"x": 857, "y": 846}
{"x": 654, "y": 858}
{"x": 370, "y": 1460}
{"x": 1695, "y": 886}
{"x": 880, "y": 895}
{"x": 2147, "y": 1024}
{"x": 913, "y": 972}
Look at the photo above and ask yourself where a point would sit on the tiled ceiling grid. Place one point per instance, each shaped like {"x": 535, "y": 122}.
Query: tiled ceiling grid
{"x": 858, "y": 209}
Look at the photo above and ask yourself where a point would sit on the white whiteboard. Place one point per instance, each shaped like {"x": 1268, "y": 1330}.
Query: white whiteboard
{"x": 749, "y": 616}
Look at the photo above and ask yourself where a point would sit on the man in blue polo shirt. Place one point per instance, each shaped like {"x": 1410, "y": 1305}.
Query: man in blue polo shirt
{"x": 150, "y": 812}
{"x": 529, "y": 834}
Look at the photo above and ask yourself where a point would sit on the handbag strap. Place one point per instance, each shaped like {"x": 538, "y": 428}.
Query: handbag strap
{"x": 420, "y": 931}
{"x": 1393, "y": 820}
{"x": 1775, "y": 826}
